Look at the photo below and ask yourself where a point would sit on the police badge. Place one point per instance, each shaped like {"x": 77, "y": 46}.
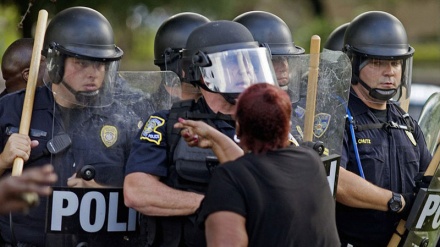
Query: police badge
{"x": 109, "y": 135}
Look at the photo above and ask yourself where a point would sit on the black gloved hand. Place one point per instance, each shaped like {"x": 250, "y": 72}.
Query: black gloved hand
{"x": 409, "y": 202}
{"x": 421, "y": 181}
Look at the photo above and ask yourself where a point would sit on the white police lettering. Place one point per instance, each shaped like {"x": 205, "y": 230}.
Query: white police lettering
{"x": 331, "y": 165}
{"x": 90, "y": 211}
{"x": 85, "y": 210}
{"x": 430, "y": 208}
{"x": 58, "y": 212}
{"x": 113, "y": 225}
{"x": 331, "y": 177}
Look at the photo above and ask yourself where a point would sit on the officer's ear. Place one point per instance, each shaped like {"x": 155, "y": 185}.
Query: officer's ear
{"x": 25, "y": 74}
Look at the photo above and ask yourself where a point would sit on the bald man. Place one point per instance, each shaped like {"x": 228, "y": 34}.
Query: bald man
{"x": 16, "y": 62}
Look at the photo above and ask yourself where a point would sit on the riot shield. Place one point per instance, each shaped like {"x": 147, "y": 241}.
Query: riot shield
{"x": 331, "y": 100}
{"x": 88, "y": 150}
{"x": 429, "y": 122}
{"x": 147, "y": 92}
{"x": 333, "y": 89}
{"x": 423, "y": 224}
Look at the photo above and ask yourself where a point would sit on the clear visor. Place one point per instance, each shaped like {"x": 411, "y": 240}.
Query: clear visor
{"x": 387, "y": 76}
{"x": 234, "y": 71}
{"x": 148, "y": 91}
{"x": 76, "y": 81}
{"x": 288, "y": 74}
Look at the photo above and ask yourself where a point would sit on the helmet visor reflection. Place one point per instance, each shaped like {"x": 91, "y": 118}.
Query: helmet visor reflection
{"x": 235, "y": 70}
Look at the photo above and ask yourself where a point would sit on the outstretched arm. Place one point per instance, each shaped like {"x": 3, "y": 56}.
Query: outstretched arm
{"x": 198, "y": 133}
{"x": 147, "y": 195}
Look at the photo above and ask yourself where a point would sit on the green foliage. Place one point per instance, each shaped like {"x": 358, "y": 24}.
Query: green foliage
{"x": 317, "y": 26}
{"x": 9, "y": 31}
{"x": 141, "y": 54}
{"x": 427, "y": 53}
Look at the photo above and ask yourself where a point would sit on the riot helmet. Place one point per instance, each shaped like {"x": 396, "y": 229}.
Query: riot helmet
{"x": 223, "y": 57}
{"x": 272, "y": 32}
{"x": 171, "y": 38}
{"x": 377, "y": 37}
{"x": 80, "y": 40}
{"x": 335, "y": 41}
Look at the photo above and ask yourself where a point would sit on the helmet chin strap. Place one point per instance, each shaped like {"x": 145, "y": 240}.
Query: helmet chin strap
{"x": 230, "y": 97}
{"x": 83, "y": 97}
{"x": 380, "y": 94}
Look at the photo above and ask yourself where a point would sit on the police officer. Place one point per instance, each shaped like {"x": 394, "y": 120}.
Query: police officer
{"x": 169, "y": 41}
{"x": 335, "y": 40}
{"x": 165, "y": 177}
{"x": 272, "y": 32}
{"x": 75, "y": 122}
{"x": 376, "y": 191}
{"x": 16, "y": 62}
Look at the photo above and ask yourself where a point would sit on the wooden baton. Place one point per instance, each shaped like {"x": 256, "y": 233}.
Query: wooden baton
{"x": 312, "y": 86}
{"x": 28, "y": 104}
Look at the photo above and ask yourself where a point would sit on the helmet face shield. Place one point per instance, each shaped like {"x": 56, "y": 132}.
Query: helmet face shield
{"x": 387, "y": 78}
{"x": 235, "y": 70}
{"x": 288, "y": 74}
{"x": 80, "y": 81}
{"x": 404, "y": 91}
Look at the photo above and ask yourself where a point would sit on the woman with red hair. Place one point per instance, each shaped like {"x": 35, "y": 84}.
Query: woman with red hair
{"x": 267, "y": 192}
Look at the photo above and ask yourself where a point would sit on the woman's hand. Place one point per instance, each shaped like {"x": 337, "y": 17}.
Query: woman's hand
{"x": 195, "y": 133}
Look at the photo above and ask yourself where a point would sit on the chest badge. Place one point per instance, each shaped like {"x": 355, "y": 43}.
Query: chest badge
{"x": 109, "y": 135}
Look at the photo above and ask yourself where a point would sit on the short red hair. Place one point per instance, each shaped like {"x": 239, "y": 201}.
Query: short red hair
{"x": 263, "y": 113}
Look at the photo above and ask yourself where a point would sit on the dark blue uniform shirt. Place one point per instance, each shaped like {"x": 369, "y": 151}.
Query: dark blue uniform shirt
{"x": 390, "y": 159}
{"x": 149, "y": 154}
{"x": 149, "y": 149}
{"x": 101, "y": 137}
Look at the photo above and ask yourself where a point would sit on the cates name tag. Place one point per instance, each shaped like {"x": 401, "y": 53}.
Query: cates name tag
{"x": 89, "y": 210}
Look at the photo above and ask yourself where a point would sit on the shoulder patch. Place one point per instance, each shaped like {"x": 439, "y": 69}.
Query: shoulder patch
{"x": 322, "y": 122}
{"x": 150, "y": 133}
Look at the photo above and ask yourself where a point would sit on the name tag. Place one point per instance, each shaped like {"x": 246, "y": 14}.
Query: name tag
{"x": 89, "y": 210}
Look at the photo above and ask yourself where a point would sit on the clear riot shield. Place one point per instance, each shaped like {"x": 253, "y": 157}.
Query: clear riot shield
{"x": 331, "y": 99}
{"x": 89, "y": 149}
{"x": 429, "y": 122}
{"x": 333, "y": 90}
{"x": 423, "y": 223}
{"x": 147, "y": 92}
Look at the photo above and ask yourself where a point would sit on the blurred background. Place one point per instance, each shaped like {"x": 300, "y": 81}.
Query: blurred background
{"x": 135, "y": 23}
